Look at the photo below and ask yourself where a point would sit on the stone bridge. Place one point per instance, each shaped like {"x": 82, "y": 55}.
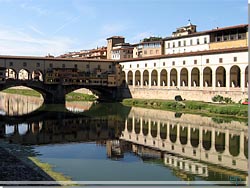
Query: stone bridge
{"x": 56, "y": 77}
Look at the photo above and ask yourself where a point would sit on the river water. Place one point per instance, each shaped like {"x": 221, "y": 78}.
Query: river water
{"x": 110, "y": 142}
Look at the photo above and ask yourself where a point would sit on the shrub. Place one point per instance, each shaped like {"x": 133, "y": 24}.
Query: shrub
{"x": 217, "y": 98}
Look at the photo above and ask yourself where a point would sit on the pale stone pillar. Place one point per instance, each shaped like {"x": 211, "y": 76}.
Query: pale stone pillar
{"x": 227, "y": 79}
{"x": 213, "y": 139}
{"x": 149, "y": 127}
{"x": 201, "y": 79}
{"x": 188, "y": 135}
{"x": 227, "y": 142}
{"x": 126, "y": 78}
{"x": 168, "y": 132}
{"x": 213, "y": 79}
{"x": 133, "y": 124}
{"x": 178, "y": 78}
{"x": 200, "y": 136}
{"x": 178, "y": 134}
{"x": 141, "y": 121}
{"x": 149, "y": 79}
{"x": 126, "y": 126}
{"x": 242, "y": 80}
{"x": 158, "y": 78}
{"x": 189, "y": 78}
{"x": 168, "y": 79}
{"x": 133, "y": 73}
{"x": 142, "y": 79}
{"x": 242, "y": 143}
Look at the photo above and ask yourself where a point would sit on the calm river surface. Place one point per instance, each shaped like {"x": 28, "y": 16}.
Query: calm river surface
{"x": 111, "y": 142}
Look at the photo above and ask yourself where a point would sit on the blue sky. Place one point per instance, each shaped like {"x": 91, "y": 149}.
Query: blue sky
{"x": 39, "y": 27}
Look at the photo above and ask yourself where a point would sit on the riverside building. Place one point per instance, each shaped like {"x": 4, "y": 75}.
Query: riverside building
{"x": 196, "y": 65}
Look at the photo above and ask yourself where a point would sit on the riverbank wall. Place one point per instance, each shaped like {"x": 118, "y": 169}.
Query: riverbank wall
{"x": 169, "y": 94}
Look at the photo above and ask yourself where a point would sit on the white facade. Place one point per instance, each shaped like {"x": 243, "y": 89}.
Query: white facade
{"x": 187, "y": 44}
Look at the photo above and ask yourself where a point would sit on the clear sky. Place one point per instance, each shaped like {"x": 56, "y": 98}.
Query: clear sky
{"x": 39, "y": 27}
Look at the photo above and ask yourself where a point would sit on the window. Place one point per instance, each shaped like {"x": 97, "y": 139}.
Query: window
{"x": 145, "y": 51}
{"x": 124, "y": 56}
{"x": 206, "y": 155}
{"x": 111, "y": 66}
{"x": 130, "y": 66}
{"x": 146, "y": 65}
{"x": 219, "y": 158}
{"x": 184, "y": 62}
{"x": 235, "y": 59}
{"x": 11, "y": 64}
{"x": 233, "y": 162}
{"x": 194, "y": 152}
{"x": 163, "y": 145}
{"x": 179, "y": 43}
{"x": 173, "y": 63}
{"x": 172, "y": 147}
{"x": 87, "y": 66}
{"x": 183, "y": 150}
{"x": 51, "y": 65}
{"x": 154, "y": 64}
{"x": 220, "y": 60}
{"x": 163, "y": 63}
{"x": 205, "y": 40}
{"x": 98, "y": 66}
{"x": 195, "y": 61}
{"x": 75, "y": 66}
{"x": 191, "y": 42}
{"x": 137, "y": 65}
{"x": 63, "y": 65}
{"x": 184, "y": 43}
{"x": 151, "y": 52}
{"x": 198, "y": 41}
{"x": 24, "y": 64}
{"x": 173, "y": 44}
{"x": 169, "y": 45}
{"x": 207, "y": 60}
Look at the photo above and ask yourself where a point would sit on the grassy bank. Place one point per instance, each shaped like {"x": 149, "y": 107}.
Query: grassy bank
{"x": 192, "y": 107}
{"x": 73, "y": 96}
{"x": 48, "y": 170}
{"x": 27, "y": 92}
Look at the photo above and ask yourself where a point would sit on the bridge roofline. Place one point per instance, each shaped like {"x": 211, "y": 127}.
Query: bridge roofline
{"x": 56, "y": 59}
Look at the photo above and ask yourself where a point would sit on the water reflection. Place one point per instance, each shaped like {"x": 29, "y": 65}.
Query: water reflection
{"x": 191, "y": 147}
{"x": 16, "y": 105}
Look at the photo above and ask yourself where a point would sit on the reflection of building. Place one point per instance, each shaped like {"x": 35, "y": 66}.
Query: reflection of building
{"x": 114, "y": 149}
{"x": 13, "y": 105}
{"x": 191, "y": 136}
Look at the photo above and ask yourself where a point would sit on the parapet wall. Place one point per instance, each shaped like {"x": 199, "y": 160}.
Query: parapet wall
{"x": 169, "y": 94}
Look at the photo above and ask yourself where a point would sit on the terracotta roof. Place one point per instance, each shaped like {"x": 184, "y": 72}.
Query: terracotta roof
{"x": 205, "y": 52}
{"x": 115, "y": 37}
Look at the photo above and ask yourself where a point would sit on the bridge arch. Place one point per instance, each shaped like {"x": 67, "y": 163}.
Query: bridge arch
{"x": 154, "y": 77}
{"x": 235, "y": 76}
{"x": 173, "y": 133}
{"x": 11, "y": 74}
{"x": 153, "y": 129}
{"x": 137, "y": 78}
{"x": 130, "y": 78}
{"x": 220, "y": 77}
{"x": 246, "y": 147}
{"x": 173, "y": 77}
{"x": 219, "y": 142}
{"x": 145, "y": 127}
{"x": 194, "y": 138}
{"x": 183, "y": 135}
{"x": 24, "y": 74}
{"x": 37, "y": 75}
{"x": 145, "y": 77}
{"x": 246, "y": 77}
{"x": 123, "y": 78}
{"x": 130, "y": 125}
{"x": 206, "y": 140}
{"x": 163, "y": 131}
{"x": 184, "y": 77}
{"x": 137, "y": 126}
{"x": 207, "y": 77}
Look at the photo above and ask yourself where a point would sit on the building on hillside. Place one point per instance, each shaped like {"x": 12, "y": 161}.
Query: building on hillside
{"x": 112, "y": 41}
{"x": 151, "y": 46}
{"x": 187, "y": 39}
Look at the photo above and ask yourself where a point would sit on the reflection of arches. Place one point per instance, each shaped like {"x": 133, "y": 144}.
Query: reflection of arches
{"x": 234, "y": 145}
{"x": 194, "y": 137}
{"x": 11, "y": 74}
{"x": 206, "y": 140}
{"x": 246, "y": 147}
{"x": 183, "y": 135}
{"x": 219, "y": 142}
{"x": 207, "y": 77}
{"x": 145, "y": 128}
{"x": 184, "y": 77}
{"x": 173, "y": 77}
{"x": 154, "y": 75}
{"x": 235, "y": 76}
{"x": 129, "y": 125}
{"x": 163, "y": 131}
{"x": 195, "y": 77}
{"x": 153, "y": 129}
{"x": 173, "y": 133}
{"x": 246, "y": 77}
{"x": 220, "y": 77}
{"x": 130, "y": 78}
{"x": 164, "y": 77}
{"x": 37, "y": 75}
{"x": 137, "y": 126}
{"x": 145, "y": 78}
{"x": 23, "y": 75}
{"x": 137, "y": 78}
